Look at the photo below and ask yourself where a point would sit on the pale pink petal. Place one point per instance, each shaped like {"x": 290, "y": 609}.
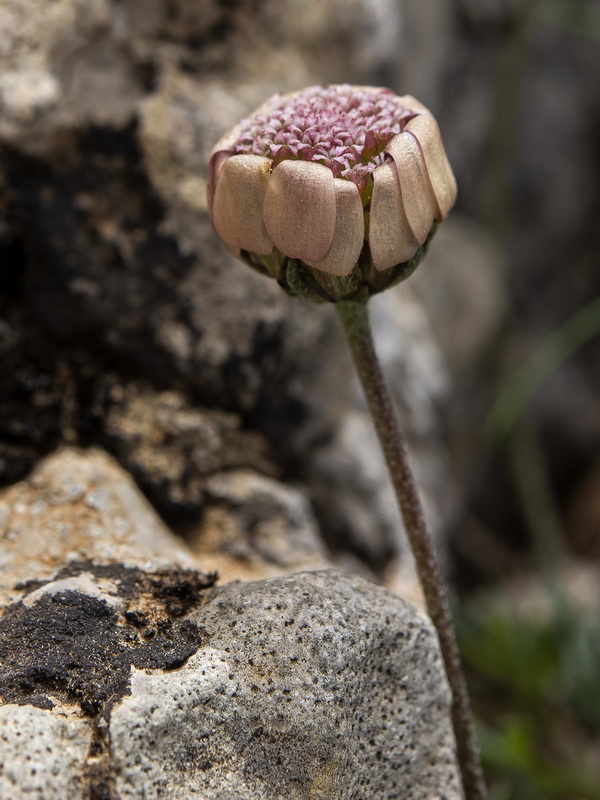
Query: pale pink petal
{"x": 427, "y": 133}
{"x": 390, "y": 238}
{"x": 349, "y": 234}
{"x": 413, "y": 104}
{"x": 238, "y": 203}
{"x": 420, "y": 205}
{"x": 218, "y": 156}
{"x": 227, "y": 141}
{"x": 342, "y": 88}
{"x": 299, "y": 209}
{"x": 214, "y": 168}
{"x": 235, "y": 251}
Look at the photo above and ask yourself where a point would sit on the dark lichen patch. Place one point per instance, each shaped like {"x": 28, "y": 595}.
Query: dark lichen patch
{"x": 180, "y": 591}
{"x": 37, "y": 700}
{"x": 80, "y": 648}
{"x": 147, "y": 595}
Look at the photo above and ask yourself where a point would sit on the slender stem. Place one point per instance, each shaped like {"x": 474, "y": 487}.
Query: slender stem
{"x": 355, "y": 319}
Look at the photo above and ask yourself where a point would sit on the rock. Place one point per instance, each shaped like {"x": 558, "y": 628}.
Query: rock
{"x": 172, "y": 447}
{"x": 35, "y": 390}
{"x": 312, "y": 685}
{"x": 79, "y": 507}
{"x": 122, "y": 317}
{"x": 127, "y": 673}
{"x": 43, "y": 755}
{"x": 423, "y": 48}
{"x": 420, "y": 385}
{"x": 364, "y": 515}
{"x": 202, "y": 323}
{"x": 61, "y": 66}
{"x": 264, "y": 527}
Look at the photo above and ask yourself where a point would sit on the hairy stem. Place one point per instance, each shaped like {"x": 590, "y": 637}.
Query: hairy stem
{"x": 355, "y": 320}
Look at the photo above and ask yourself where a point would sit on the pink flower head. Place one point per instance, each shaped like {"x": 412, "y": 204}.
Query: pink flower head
{"x": 337, "y": 178}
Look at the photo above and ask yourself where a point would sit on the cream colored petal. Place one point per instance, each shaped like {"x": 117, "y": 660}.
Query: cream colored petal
{"x": 349, "y": 233}
{"x": 238, "y": 203}
{"x": 427, "y": 132}
{"x": 218, "y": 156}
{"x": 420, "y": 205}
{"x": 299, "y": 209}
{"x": 390, "y": 238}
{"x": 275, "y": 100}
{"x": 413, "y": 104}
{"x": 227, "y": 141}
{"x": 214, "y": 168}
{"x": 235, "y": 251}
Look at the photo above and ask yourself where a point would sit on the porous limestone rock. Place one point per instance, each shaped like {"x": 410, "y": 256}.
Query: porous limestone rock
{"x": 256, "y": 527}
{"x": 76, "y": 507}
{"x": 124, "y": 683}
{"x": 126, "y": 673}
{"x": 80, "y": 506}
{"x": 42, "y": 755}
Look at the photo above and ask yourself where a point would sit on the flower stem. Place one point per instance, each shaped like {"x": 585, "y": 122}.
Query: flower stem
{"x": 355, "y": 320}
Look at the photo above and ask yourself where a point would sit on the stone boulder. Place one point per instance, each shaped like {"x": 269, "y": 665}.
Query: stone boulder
{"x": 127, "y": 672}
{"x": 130, "y": 684}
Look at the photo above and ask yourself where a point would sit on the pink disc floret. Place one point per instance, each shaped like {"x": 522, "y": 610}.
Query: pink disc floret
{"x": 345, "y": 128}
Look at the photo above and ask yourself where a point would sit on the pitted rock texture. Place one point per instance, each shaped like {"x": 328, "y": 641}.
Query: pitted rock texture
{"x": 80, "y": 506}
{"x": 68, "y": 647}
{"x": 77, "y": 636}
{"x": 173, "y": 448}
{"x": 264, "y": 527}
{"x": 312, "y": 686}
{"x": 43, "y": 755}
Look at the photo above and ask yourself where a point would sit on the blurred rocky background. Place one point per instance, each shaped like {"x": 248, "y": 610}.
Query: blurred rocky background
{"x": 126, "y": 326}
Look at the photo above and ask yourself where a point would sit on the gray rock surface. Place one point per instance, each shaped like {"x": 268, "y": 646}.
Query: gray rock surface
{"x": 41, "y": 45}
{"x": 78, "y": 507}
{"x": 315, "y": 685}
{"x": 42, "y": 755}
{"x": 463, "y": 279}
{"x": 172, "y": 447}
{"x": 125, "y": 672}
{"x": 81, "y": 506}
{"x": 110, "y": 274}
{"x": 264, "y": 527}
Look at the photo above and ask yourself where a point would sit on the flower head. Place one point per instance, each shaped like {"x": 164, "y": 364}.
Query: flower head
{"x": 332, "y": 190}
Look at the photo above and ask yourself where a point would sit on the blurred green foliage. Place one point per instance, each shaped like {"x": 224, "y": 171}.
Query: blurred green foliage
{"x": 534, "y": 678}
{"x": 519, "y": 389}
{"x": 581, "y": 17}
{"x": 536, "y": 682}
